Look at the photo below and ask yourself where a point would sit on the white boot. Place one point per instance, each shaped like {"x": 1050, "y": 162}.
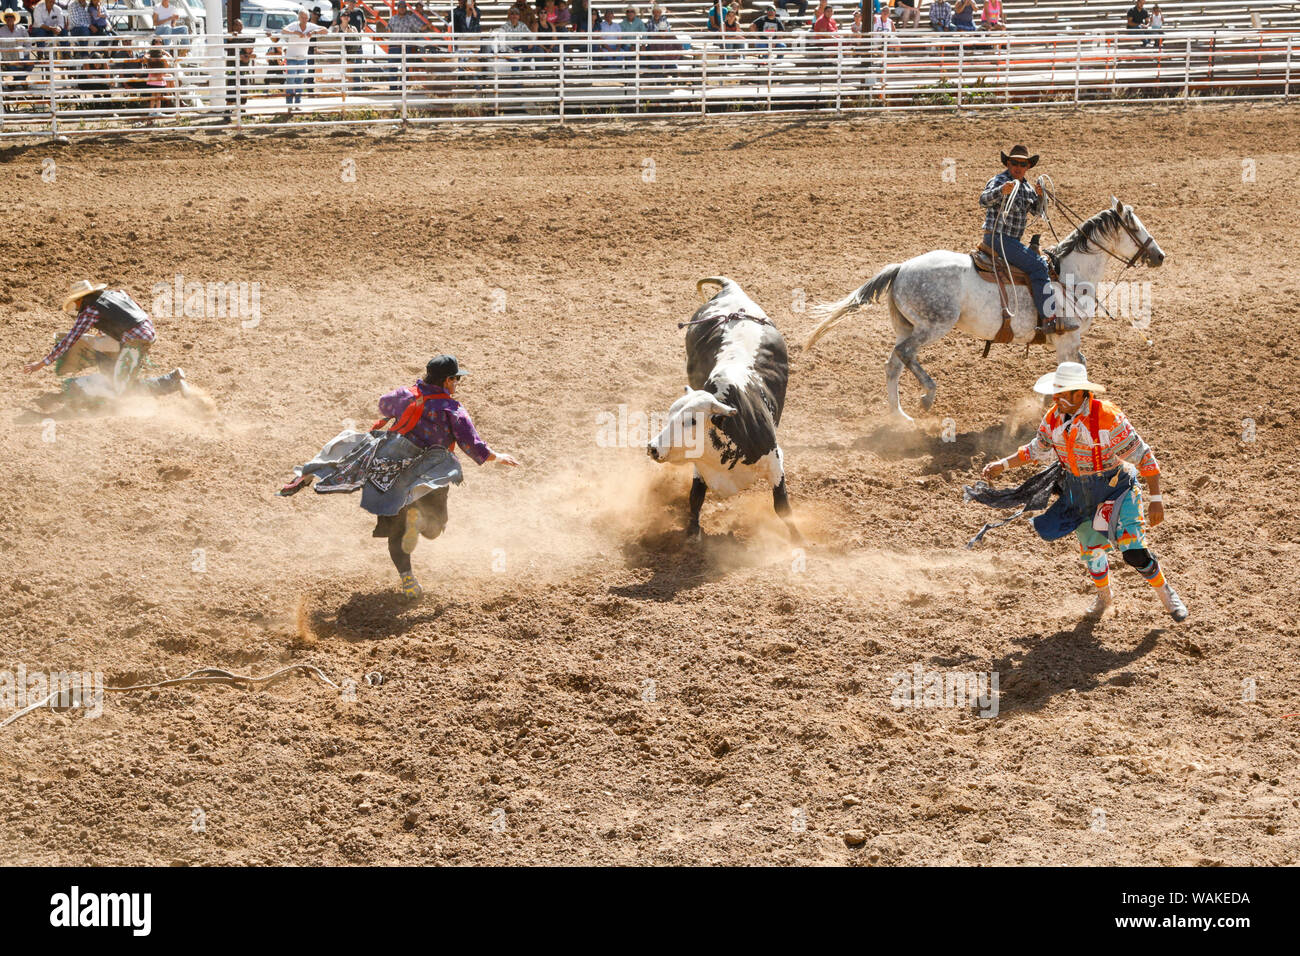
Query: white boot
{"x": 1102, "y": 603}
{"x": 1172, "y": 602}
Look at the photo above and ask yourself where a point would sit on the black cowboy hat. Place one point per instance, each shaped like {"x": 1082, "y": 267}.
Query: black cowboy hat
{"x": 1020, "y": 152}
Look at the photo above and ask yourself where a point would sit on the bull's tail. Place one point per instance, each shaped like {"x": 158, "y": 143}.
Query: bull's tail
{"x": 832, "y": 312}
{"x": 721, "y": 281}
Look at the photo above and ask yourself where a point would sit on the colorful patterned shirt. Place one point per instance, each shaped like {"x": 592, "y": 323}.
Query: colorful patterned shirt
{"x": 142, "y": 333}
{"x": 1069, "y": 439}
{"x": 444, "y": 423}
{"x": 1013, "y": 223}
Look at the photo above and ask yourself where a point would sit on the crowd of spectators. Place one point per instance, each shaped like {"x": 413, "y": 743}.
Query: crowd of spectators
{"x": 31, "y": 30}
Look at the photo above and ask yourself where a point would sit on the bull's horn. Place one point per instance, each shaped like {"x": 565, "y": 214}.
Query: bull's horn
{"x": 720, "y": 281}
{"x": 726, "y": 411}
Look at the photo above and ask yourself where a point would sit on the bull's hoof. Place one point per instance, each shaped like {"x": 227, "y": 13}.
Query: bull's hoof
{"x": 927, "y": 401}
{"x": 693, "y": 534}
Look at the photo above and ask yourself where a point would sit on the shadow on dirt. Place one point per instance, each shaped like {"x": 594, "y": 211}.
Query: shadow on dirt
{"x": 678, "y": 565}
{"x": 949, "y": 450}
{"x": 1066, "y": 660}
{"x": 373, "y": 616}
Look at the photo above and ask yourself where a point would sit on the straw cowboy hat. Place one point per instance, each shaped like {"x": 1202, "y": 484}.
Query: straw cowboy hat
{"x": 1020, "y": 152}
{"x": 78, "y": 291}
{"x": 1068, "y": 377}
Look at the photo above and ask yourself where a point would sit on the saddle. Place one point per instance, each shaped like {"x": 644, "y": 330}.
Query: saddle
{"x": 991, "y": 269}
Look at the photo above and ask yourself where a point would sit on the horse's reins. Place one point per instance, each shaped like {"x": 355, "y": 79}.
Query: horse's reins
{"x": 1076, "y": 222}
{"x": 1072, "y": 217}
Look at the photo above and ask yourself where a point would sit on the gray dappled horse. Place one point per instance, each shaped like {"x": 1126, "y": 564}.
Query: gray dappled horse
{"x": 934, "y": 293}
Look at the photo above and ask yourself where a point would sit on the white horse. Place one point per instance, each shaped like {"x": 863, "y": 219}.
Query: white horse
{"x": 934, "y": 293}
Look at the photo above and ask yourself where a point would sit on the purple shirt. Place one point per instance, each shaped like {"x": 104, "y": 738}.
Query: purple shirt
{"x": 444, "y": 421}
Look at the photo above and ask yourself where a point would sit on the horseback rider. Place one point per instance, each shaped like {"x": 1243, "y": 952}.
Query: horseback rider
{"x": 1009, "y": 199}
{"x": 1100, "y": 501}
{"x": 118, "y": 351}
{"x": 404, "y": 473}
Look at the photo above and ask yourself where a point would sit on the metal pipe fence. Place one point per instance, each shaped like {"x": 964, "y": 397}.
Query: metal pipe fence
{"x": 114, "y": 84}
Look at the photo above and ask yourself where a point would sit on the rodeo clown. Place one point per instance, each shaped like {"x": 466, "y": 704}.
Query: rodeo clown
{"x": 117, "y": 352}
{"x": 404, "y": 472}
{"x": 1100, "y": 501}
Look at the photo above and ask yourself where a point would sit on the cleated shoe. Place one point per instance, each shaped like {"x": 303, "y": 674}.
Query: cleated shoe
{"x": 1173, "y": 603}
{"x": 411, "y": 589}
{"x": 1102, "y": 603}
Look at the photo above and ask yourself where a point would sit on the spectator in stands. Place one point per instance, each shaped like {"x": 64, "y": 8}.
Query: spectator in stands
{"x": 940, "y": 15}
{"x": 48, "y": 20}
{"x": 166, "y": 21}
{"x": 527, "y": 14}
{"x": 99, "y": 25}
{"x": 825, "y": 21}
{"x": 1158, "y": 25}
{"x": 963, "y": 16}
{"x": 1138, "y": 18}
{"x": 78, "y": 19}
{"x": 768, "y": 25}
{"x": 297, "y": 43}
{"x": 801, "y": 4}
{"x": 239, "y": 63}
{"x": 991, "y": 17}
{"x": 354, "y": 16}
{"x": 714, "y": 16}
{"x": 908, "y": 14}
{"x": 632, "y": 25}
{"x": 404, "y": 22}
{"x": 159, "y": 76}
{"x": 15, "y": 47}
{"x": 881, "y": 22}
{"x": 856, "y": 28}
{"x": 513, "y": 40}
{"x": 769, "y": 22}
{"x": 609, "y": 30}
{"x": 465, "y": 19}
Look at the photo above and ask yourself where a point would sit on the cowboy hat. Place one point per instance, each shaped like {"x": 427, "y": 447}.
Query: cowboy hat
{"x": 1068, "y": 377}
{"x": 79, "y": 290}
{"x": 1020, "y": 152}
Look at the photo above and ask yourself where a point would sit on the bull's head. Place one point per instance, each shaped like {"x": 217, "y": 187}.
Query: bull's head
{"x": 685, "y": 435}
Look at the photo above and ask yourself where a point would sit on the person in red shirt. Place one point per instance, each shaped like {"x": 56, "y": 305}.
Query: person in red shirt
{"x": 825, "y": 22}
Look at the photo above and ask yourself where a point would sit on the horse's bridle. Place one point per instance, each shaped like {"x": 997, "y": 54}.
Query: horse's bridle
{"x": 1076, "y": 222}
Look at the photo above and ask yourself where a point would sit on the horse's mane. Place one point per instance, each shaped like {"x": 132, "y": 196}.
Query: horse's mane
{"x": 1102, "y": 225}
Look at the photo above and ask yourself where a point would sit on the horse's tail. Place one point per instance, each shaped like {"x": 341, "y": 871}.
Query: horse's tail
{"x": 831, "y": 312}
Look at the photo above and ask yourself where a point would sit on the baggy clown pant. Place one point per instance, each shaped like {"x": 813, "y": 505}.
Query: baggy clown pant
{"x": 1081, "y": 508}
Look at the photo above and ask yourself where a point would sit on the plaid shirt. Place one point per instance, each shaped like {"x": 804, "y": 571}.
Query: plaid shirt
{"x": 1026, "y": 201}
{"x": 941, "y": 14}
{"x": 445, "y": 422}
{"x": 405, "y": 23}
{"x": 141, "y": 332}
{"x": 78, "y": 16}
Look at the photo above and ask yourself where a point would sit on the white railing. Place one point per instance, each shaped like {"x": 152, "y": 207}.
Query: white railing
{"x": 83, "y": 86}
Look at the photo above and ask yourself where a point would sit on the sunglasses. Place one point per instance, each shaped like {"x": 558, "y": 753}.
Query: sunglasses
{"x": 1021, "y": 164}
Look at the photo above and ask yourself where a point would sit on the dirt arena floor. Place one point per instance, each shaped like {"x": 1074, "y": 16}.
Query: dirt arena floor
{"x": 579, "y": 686}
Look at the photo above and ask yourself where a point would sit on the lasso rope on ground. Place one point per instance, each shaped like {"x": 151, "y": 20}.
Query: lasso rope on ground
{"x": 204, "y": 675}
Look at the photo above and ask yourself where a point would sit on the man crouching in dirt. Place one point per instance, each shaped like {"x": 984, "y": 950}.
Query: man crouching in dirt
{"x": 403, "y": 473}
{"x": 1101, "y": 502}
{"x": 117, "y": 353}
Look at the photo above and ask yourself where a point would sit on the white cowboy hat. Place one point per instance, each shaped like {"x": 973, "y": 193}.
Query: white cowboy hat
{"x": 1068, "y": 377}
{"x": 79, "y": 290}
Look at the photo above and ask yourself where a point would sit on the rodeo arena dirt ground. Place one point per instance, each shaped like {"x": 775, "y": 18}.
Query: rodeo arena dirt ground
{"x": 579, "y": 683}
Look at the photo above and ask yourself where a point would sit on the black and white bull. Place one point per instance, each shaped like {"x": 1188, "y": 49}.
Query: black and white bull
{"x": 725, "y": 423}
